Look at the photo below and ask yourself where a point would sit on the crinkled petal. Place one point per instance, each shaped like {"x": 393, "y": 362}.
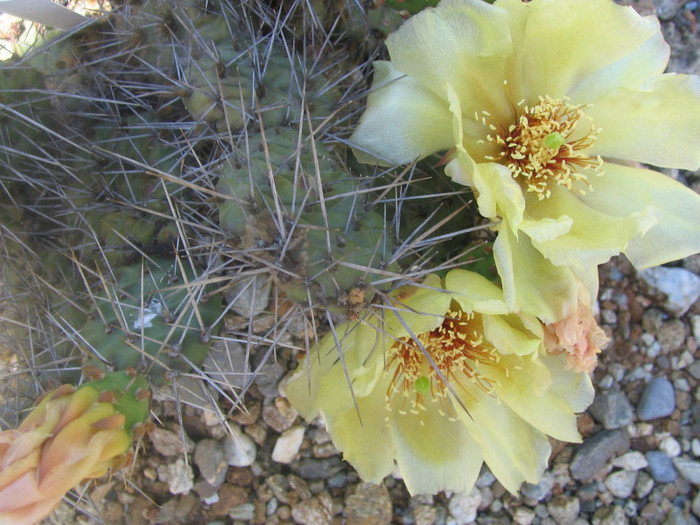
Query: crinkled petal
{"x": 514, "y": 450}
{"x": 434, "y": 453}
{"x": 475, "y": 292}
{"x": 464, "y": 43}
{"x": 593, "y": 237}
{"x": 532, "y": 283}
{"x": 562, "y": 44}
{"x": 659, "y": 123}
{"x": 365, "y": 439}
{"x": 403, "y": 121}
{"x": 526, "y": 391}
{"x": 627, "y": 190}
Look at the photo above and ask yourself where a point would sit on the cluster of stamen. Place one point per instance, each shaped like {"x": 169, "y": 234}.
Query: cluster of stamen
{"x": 539, "y": 147}
{"x": 457, "y": 350}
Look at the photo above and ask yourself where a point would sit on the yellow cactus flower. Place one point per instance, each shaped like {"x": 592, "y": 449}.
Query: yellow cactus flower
{"x": 445, "y": 380}
{"x": 545, "y": 107}
{"x": 70, "y": 436}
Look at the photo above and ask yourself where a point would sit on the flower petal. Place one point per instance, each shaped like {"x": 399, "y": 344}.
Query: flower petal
{"x": 626, "y": 190}
{"x": 574, "y": 388}
{"x": 434, "y": 453}
{"x": 658, "y": 123}
{"x": 559, "y": 47}
{"x": 509, "y": 336}
{"x": 593, "y": 237}
{"x": 403, "y": 121}
{"x": 546, "y": 410}
{"x": 463, "y": 43}
{"x": 475, "y": 292}
{"x": 365, "y": 439}
{"x": 422, "y": 308}
{"x": 532, "y": 283}
{"x": 514, "y": 451}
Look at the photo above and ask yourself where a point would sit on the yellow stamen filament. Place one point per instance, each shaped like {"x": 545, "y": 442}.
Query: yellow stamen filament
{"x": 539, "y": 147}
{"x": 458, "y": 350}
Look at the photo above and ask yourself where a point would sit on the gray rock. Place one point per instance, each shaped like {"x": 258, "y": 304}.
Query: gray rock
{"x": 695, "y": 506}
{"x": 681, "y": 287}
{"x": 657, "y": 400}
{"x": 671, "y": 336}
{"x": 369, "y": 505}
{"x": 631, "y": 461}
{"x": 595, "y": 452}
{"x": 612, "y": 409}
{"x": 169, "y": 443}
{"x": 240, "y": 449}
{"x": 312, "y": 511}
{"x": 621, "y": 483}
{"x": 178, "y": 475}
{"x": 244, "y": 512}
{"x": 268, "y": 378}
{"x": 614, "y": 515}
{"x": 676, "y": 516}
{"x": 645, "y": 483}
{"x": 541, "y": 490}
{"x": 523, "y": 516}
{"x": 667, "y": 9}
{"x": 424, "y": 515}
{"x": 210, "y": 458}
{"x": 288, "y": 444}
{"x": 564, "y": 509}
{"x": 317, "y": 468}
{"x": 688, "y": 468}
{"x": 661, "y": 467}
{"x": 464, "y": 505}
{"x": 227, "y": 364}
{"x": 250, "y": 295}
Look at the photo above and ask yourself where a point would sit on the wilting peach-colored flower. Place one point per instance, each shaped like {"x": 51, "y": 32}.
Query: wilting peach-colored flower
{"x": 70, "y": 436}
{"x": 577, "y": 335}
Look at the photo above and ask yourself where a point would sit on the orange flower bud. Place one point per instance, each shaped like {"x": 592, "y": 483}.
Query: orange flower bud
{"x": 69, "y": 436}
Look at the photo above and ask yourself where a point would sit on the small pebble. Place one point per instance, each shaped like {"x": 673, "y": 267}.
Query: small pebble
{"x": 681, "y": 287}
{"x": 463, "y": 506}
{"x": 288, "y": 444}
{"x": 657, "y": 400}
{"x": 631, "y": 461}
{"x": 369, "y": 505}
{"x": 612, "y": 409}
{"x": 661, "y": 467}
{"x": 595, "y": 452}
{"x": 689, "y": 469}
{"x": 621, "y": 483}
{"x": 564, "y": 509}
{"x": 240, "y": 449}
{"x": 670, "y": 446}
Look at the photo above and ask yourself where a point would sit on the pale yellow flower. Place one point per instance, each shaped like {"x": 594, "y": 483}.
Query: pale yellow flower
{"x": 68, "y": 437}
{"x": 544, "y": 107}
{"x": 444, "y": 381}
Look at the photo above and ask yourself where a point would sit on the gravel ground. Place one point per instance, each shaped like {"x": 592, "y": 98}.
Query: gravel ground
{"x": 639, "y": 462}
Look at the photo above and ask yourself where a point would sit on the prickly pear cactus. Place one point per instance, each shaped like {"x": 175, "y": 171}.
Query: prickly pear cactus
{"x": 292, "y": 199}
{"x": 154, "y": 317}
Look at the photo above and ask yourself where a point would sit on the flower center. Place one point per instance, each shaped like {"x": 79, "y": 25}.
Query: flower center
{"x": 539, "y": 147}
{"x": 457, "y": 350}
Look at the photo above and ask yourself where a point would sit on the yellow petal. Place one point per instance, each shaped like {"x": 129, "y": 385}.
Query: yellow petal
{"x": 475, "y": 292}
{"x": 462, "y": 43}
{"x": 659, "y": 123}
{"x": 676, "y": 234}
{"x": 508, "y": 334}
{"x": 574, "y": 388}
{"x": 422, "y": 311}
{"x": 527, "y": 392}
{"x": 562, "y": 44}
{"x": 403, "y": 121}
{"x": 514, "y": 451}
{"x": 593, "y": 237}
{"x": 532, "y": 283}
{"x": 365, "y": 439}
{"x": 434, "y": 453}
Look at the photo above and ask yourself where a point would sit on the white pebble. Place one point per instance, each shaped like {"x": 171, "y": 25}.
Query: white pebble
{"x": 288, "y": 444}
{"x": 670, "y": 446}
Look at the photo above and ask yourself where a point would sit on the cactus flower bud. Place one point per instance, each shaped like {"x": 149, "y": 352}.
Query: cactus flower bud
{"x": 71, "y": 435}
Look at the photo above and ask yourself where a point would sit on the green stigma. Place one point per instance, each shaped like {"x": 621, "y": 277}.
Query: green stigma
{"x": 422, "y": 385}
{"x": 554, "y": 140}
